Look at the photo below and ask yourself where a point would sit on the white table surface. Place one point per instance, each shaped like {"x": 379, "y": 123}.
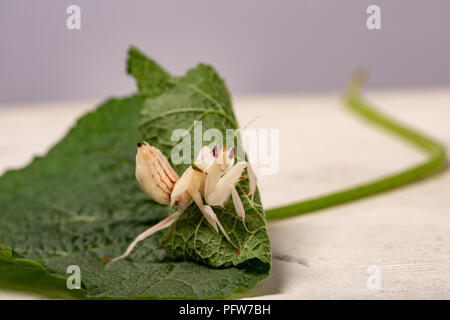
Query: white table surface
{"x": 323, "y": 147}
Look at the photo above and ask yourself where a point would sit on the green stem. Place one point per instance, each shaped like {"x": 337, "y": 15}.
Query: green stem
{"x": 435, "y": 163}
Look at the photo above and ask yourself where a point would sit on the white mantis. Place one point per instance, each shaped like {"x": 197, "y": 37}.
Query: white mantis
{"x": 213, "y": 175}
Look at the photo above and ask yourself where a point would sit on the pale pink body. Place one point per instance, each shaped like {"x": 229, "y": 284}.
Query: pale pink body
{"x": 212, "y": 176}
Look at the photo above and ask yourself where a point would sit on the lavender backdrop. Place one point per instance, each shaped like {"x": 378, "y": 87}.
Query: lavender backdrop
{"x": 257, "y": 45}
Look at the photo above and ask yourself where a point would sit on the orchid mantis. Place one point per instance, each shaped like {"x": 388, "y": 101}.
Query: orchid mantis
{"x": 211, "y": 177}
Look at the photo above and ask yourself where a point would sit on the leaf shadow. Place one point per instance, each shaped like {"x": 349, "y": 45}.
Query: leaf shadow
{"x": 282, "y": 262}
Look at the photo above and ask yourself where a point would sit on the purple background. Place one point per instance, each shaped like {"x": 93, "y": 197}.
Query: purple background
{"x": 259, "y": 46}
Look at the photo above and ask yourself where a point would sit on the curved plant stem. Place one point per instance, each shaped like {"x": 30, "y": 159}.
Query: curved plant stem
{"x": 435, "y": 163}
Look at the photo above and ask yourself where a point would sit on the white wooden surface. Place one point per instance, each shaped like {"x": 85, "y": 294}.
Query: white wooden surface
{"x": 324, "y": 255}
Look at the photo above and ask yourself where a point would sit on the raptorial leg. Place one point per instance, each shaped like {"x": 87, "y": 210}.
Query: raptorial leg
{"x": 225, "y": 234}
{"x": 239, "y": 207}
{"x": 160, "y": 225}
{"x": 222, "y": 190}
{"x": 197, "y": 197}
{"x": 252, "y": 185}
{"x": 210, "y": 216}
{"x": 212, "y": 179}
{"x": 251, "y": 181}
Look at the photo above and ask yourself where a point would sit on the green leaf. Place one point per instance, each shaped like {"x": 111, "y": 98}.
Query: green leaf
{"x": 201, "y": 95}
{"x": 81, "y": 201}
{"x": 151, "y": 79}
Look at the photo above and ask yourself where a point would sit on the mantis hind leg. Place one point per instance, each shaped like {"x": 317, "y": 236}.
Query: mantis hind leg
{"x": 144, "y": 235}
{"x": 239, "y": 207}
